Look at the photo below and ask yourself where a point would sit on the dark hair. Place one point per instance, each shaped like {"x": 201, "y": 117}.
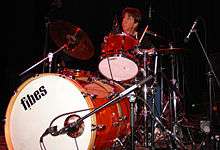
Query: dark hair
{"x": 134, "y": 12}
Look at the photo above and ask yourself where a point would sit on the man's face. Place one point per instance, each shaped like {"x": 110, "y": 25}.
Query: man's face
{"x": 128, "y": 23}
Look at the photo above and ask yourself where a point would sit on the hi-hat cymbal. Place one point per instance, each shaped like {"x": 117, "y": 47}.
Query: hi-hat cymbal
{"x": 78, "y": 43}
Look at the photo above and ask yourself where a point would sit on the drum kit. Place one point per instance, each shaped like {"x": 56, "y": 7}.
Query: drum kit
{"x": 122, "y": 106}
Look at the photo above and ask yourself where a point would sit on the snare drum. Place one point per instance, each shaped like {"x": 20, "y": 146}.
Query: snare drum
{"x": 45, "y": 96}
{"x": 117, "y": 63}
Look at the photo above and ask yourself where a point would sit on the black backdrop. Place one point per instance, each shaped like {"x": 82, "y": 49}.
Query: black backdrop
{"x": 24, "y": 23}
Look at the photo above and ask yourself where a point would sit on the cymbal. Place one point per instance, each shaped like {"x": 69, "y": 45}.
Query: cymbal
{"x": 78, "y": 43}
{"x": 154, "y": 38}
{"x": 170, "y": 50}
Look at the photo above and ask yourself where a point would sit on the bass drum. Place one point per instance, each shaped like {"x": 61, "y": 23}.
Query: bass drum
{"x": 46, "y": 96}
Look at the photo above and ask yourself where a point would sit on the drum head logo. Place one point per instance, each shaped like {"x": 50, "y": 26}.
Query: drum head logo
{"x": 30, "y": 99}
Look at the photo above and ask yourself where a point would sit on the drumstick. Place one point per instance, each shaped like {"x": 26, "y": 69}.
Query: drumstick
{"x": 145, "y": 30}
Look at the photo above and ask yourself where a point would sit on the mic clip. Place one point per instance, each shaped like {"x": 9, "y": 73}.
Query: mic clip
{"x": 50, "y": 130}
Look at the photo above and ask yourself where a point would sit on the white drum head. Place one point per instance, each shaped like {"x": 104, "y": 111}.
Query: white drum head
{"x": 118, "y": 68}
{"x": 36, "y": 103}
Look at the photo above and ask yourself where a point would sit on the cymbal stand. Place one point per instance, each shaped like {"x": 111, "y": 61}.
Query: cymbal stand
{"x": 145, "y": 91}
{"x": 173, "y": 97}
{"x": 149, "y": 142}
{"x": 50, "y": 56}
{"x": 153, "y": 100}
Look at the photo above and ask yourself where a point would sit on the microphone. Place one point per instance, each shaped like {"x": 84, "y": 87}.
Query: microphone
{"x": 191, "y": 30}
{"x": 72, "y": 127}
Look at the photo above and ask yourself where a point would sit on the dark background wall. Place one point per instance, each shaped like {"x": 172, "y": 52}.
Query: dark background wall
{"x": 25, "y": 37}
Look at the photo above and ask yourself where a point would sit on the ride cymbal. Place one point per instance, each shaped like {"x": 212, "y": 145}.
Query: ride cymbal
{"x": 78, "y": 43}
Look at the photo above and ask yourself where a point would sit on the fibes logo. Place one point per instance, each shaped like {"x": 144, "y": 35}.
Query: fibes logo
{"x": 30, "y": 99}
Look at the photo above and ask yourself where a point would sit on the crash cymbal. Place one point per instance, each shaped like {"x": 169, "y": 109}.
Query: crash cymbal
{"x": 78, "y": 43}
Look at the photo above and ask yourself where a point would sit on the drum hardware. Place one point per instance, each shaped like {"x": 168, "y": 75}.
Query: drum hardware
{"x": 163, "y": 127}
{"x": 122, "y": 118}
{"x": 50, "y": 56}
{"x": 146, "y": 92}
{"x": 92, "y": 96}
{"x": 115, "y": 124}
{"x": 173, "y": 84}
{"x": 175, "y": 96}
{"x": 112, "y": 95}
{"x": 98, "y": 127}
{"x": 117, "y": 140}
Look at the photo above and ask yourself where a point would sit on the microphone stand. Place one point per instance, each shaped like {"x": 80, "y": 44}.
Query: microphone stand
{"x": 50, "y": 55}
{"x": 210, "y": 75}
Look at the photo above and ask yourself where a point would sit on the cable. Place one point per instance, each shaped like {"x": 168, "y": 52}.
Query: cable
{"x": 67, "y": 114}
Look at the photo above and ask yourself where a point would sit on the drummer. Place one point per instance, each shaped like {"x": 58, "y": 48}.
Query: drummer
{"x": 131, "y": 17}
{"x": 130, "y": 23}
